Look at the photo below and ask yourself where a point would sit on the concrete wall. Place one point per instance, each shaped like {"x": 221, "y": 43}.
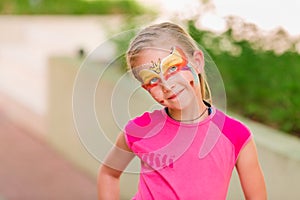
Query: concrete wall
{"x": 279, "y": 153}
{"x": 62, "y": 134}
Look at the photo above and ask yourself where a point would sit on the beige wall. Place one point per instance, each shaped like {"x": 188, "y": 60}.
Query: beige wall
{"x": 62, "y": 134}
{"x": 279, "y": 153}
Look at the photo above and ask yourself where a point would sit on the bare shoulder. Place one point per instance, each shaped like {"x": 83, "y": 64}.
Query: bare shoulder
{"x": 248, "y": 154}
{"x": 121, "y": 142}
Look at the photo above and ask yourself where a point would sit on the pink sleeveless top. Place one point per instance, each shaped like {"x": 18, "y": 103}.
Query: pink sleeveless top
{"x": 185, "y": 161}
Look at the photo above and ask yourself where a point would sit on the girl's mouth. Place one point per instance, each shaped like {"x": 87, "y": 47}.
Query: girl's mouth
{"x": 175, "y": 95}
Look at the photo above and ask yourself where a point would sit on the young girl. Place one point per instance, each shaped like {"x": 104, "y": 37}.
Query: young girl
{"x": 189, "y": 148}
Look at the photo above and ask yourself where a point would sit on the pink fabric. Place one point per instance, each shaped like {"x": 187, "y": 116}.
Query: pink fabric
{"x": 185, "y": 161}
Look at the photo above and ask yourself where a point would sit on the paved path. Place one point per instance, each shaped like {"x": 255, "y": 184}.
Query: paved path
{"x": 30, "y": 169}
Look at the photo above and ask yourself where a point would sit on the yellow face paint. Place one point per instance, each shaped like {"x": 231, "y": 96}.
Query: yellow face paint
{"x": 148, "y": 75}
{"x": 174, "y": 62}
{"x": 151, "y": 74}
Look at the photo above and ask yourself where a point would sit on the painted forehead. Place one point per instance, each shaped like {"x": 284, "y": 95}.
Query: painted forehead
{"x": 156, "y": 68}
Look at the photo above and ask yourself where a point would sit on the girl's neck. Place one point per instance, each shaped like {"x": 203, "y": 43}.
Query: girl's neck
{"x": 190, "y": 114}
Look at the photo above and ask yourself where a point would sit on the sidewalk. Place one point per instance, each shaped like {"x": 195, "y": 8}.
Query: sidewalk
{"x": 30, "y": 169}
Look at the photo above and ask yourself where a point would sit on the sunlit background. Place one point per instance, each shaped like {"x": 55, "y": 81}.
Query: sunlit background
{"x": 265, "y": 14}
{"x": 255, "y": 44}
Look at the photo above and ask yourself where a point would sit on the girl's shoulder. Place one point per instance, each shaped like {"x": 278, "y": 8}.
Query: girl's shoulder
{"x": 235, "y": 130}
{"x": 231, "y": 124}
{"x": 144, "y": 122}
{"x": 146, "y": 118}
{"x": 143, "y": 126}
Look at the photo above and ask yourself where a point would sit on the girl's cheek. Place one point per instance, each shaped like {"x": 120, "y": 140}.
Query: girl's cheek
{"x": 157, "y": 95}
{"x": 159, "y": 99}
{"x": 189, "y": 78}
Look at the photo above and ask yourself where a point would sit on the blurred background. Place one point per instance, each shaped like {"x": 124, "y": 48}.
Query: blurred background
{"x": 255, "y": 44}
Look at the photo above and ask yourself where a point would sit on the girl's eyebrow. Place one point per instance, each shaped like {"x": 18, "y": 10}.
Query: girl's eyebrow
{"x": 146, "y": 77}
{"x": 151, "y": 66}
{"x": 137, "y": 69}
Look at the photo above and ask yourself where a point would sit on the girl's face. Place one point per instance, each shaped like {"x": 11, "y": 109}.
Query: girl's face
{"x": 168, "y": 76}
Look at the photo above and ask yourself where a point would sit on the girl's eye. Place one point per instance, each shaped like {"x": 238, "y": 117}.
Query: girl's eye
{"x": 172, "y": 69}
{"x": 153, "y": 81}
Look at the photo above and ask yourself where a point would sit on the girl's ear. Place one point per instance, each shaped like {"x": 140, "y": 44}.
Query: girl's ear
{"x": 199, "y": 61}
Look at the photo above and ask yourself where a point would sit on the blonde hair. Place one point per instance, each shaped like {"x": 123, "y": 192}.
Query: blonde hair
{"x": 154, "y": 35}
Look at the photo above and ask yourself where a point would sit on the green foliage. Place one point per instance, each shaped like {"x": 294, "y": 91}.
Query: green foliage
{"x": 76, "y": 7}
{"x": 259, "y": 84}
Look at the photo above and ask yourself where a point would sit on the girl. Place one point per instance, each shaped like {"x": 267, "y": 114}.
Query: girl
{"x": 189, "y": 148}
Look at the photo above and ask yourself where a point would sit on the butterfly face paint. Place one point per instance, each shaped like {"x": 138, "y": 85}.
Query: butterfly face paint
{"x": 154, "y": 73}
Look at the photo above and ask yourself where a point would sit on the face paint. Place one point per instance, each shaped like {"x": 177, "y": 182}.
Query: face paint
{"x": 151, "y": 74}
{"x": 195, "y": 74}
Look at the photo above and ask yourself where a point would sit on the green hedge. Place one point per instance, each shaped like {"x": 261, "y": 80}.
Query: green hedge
{"x": 259, "y": 84}
{"x": 29, "y": 7}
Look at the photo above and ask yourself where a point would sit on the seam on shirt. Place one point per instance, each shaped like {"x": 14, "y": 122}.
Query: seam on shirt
{"x": 242, "y": 147}
{"x": 232, "y": 146}
{"x": 127, "y": 141}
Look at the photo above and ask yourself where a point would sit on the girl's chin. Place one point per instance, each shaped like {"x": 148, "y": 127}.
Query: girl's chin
{"x": 178, "y": 107}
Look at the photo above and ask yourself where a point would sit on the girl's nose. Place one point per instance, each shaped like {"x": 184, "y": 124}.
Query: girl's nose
{"x": 166, "y": 87}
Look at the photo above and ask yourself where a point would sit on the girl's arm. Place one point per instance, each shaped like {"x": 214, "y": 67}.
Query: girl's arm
{"x": 112, "y": 168}
{"x": 250, "y": 173}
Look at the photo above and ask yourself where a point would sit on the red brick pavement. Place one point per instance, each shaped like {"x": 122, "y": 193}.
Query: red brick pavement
{"x": 29, "y": 169}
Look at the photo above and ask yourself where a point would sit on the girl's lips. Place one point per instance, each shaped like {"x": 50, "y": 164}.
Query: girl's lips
{"x": 175, "y": 95}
